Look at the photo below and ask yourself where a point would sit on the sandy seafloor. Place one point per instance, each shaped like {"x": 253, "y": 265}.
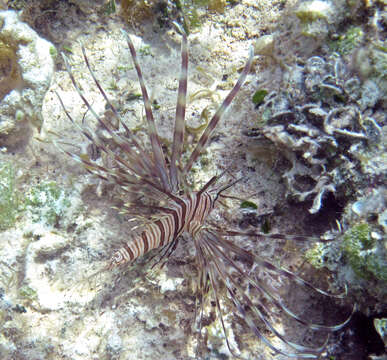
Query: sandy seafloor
{"x": 50, "y": 310}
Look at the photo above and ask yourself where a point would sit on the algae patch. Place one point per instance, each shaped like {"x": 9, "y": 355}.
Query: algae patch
{"x": 349, "y": 41}
{"x": 9, "y": 72}
{"x": 8, "y": 197}
{"x": 46, "y": 203}
{"x": 316, "y": 256}
{"x": 359, "y": 248}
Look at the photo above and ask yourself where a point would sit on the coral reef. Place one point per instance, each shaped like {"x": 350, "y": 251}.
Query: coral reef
{"x": 326, "y": 117}
{"x": 53, "y": 305}
{"x": 26, "y": 70}
{"x": 366, "y": 258}
{"x": 359, "y": 255}
{"x": 324, "y": 120}
{"x": 371, "y": 64}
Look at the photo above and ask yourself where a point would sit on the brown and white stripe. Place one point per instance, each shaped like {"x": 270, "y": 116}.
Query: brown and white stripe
{"x": 186, "y": 214}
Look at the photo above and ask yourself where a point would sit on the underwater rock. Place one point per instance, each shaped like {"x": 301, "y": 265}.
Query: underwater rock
{"x": 26, "y": 69}
{"x": 40, "y": 256}
{"x": 381, "y": 327}
{"x": 364, "y": 251}
{"x": 317, "y": 16}
{"x": 114, "y": 344}
{"x": 371, "y": 63}
{"x": 264, "y": 45}
{"x": 373, "y": 204}
{"x": 168, "y": 283}
{"x": 359, "y": 253}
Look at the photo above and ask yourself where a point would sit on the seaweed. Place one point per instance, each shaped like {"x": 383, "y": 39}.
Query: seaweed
{"x": 9, "y": 202}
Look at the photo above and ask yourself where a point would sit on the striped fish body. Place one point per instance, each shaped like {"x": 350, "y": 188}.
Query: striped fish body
{"x": 185, "y": 214}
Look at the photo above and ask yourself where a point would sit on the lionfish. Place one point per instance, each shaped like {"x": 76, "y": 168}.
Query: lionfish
{"x": 161, "y": 186}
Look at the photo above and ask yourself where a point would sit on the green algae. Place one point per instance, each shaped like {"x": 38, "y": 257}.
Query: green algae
{"x": 109, "y": 8}
{"x": 46, "y": 203}
{"x": 259, "y": 97}
{"x": 248, "y": 205}
{"x": 316, "y": 256}
{"x": 8, "y": 197}
{"x": 53, "y": 52}
{"x": 27, "y": 293}
{"x": 145, "y": 50}
{"x": 9, "y": 69}
{"x": 360, "y": 250}
{"x": 349, "y": 41}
